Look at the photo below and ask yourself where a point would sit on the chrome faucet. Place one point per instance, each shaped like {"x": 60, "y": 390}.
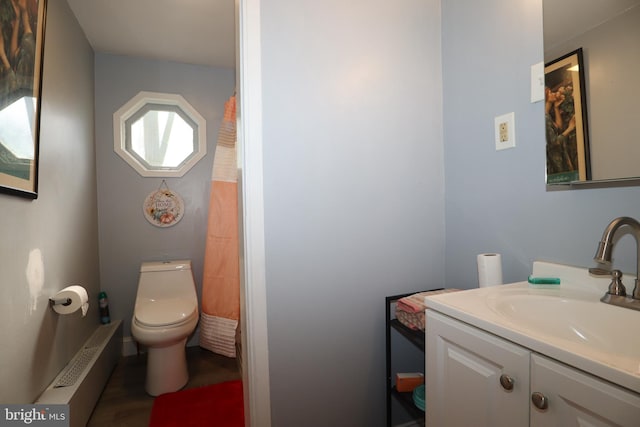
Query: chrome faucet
{"x": 617, "y": 294}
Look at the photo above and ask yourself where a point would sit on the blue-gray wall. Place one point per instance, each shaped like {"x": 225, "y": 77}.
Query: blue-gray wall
{"x": 497, "y": 201}
{"x": 51, "y": 242}
{"x": 353, "y": 189}
{"x": 126, "y": 237}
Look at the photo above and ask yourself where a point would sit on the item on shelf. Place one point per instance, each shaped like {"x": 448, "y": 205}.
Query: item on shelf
{"x": 103, "y": 303}
{"x": 397, "y": 330}
{"x": 408, "y": 381}
{"x": 410, "y": 309}
{"x": 418, "y": 397}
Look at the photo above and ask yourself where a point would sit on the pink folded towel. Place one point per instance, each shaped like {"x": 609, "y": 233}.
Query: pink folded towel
{"x": 410, "y": 309}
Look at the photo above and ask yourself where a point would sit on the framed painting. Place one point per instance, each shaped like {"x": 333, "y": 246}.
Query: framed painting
{"x": 566, "y": 120}
{"x": 22, "y": 25}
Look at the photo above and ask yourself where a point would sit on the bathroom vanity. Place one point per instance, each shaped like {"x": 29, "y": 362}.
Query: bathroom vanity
{"x": 512, "y": 355}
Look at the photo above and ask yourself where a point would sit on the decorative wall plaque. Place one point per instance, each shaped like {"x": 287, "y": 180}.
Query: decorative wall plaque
{"x": 163, "y": 207}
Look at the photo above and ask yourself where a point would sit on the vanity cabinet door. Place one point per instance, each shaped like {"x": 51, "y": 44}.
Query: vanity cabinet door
{"x": 574, "y": 398}
{"x": 473, "y": 378}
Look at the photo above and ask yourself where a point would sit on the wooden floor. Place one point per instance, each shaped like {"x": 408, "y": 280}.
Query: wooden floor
{"x": 124, "y": 403}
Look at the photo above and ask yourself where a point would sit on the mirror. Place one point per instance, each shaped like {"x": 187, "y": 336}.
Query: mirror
{"x": 608, "y": 34}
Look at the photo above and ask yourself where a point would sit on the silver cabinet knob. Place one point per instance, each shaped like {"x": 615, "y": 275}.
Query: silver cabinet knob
{"x": 539, "y": 400}
{"x": 506, "y": 382}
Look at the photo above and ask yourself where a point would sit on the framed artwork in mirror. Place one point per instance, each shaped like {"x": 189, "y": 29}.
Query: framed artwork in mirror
{"x": 22, "y": 25}
{"x": 566, "y": 120}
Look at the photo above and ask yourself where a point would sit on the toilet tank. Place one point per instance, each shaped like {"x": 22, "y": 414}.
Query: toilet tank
{"x": 166, "y": 279}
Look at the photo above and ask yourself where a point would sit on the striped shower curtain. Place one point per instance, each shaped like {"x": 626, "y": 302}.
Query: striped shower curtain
{"x": 221, "y": 276}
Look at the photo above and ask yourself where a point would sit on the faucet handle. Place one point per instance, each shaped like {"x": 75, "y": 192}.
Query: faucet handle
{"x": 616, "y": 287}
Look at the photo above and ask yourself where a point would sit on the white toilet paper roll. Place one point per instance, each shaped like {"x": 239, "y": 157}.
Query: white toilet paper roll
{"x": 79, "y": 300}
{"x": 489, "y": 270}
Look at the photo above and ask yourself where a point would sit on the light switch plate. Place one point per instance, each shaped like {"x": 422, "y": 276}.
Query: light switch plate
{"x": 505, "y": 131}
{"x": 537, "y": 82}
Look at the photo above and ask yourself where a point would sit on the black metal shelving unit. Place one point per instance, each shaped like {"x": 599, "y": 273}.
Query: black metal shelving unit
{"x": 417, "y": 338}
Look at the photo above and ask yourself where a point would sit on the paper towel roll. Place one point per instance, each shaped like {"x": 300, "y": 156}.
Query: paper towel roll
{"x": 489, "y": 270}
{"x": 79, "y": 300}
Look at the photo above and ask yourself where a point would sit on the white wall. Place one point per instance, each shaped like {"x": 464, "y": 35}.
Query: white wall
{"x": 497, "y": 201}
{"x": 126, "y": 237}
{"x": 58, "y": 230}
{"x": 353, "y": 194}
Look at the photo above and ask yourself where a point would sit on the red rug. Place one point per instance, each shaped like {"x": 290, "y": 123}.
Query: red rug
{"x": 217, "y": 405}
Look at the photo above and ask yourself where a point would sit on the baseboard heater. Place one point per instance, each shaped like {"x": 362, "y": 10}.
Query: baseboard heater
{"x": 81, "y": 382}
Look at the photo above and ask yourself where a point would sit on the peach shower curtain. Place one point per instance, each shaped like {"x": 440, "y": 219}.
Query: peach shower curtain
{"x": 221, "y": 275}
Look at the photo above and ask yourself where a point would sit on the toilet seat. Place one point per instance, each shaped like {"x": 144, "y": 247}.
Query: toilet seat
{"x": 164, "y": 312}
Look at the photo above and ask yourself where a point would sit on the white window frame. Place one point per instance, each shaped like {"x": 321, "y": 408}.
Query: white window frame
{"x": 138, "y": 102}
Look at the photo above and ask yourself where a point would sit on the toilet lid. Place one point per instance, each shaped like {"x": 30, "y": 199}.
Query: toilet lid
{"x": 164, "y": 312}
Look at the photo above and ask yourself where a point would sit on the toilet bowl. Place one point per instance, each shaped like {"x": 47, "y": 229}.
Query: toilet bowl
{"x": 165, "y": 314}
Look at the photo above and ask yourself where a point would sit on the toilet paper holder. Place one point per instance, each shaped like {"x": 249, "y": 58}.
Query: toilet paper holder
{"x": 60, "y": 301}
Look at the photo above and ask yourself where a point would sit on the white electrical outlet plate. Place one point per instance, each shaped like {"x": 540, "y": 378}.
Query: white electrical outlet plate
{"x": 505, "y": 131}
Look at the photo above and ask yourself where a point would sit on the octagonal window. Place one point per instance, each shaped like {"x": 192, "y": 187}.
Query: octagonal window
{"x": 159, "y": 134}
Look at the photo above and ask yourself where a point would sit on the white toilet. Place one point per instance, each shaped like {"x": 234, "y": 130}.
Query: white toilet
{"x": 165, "y": 314}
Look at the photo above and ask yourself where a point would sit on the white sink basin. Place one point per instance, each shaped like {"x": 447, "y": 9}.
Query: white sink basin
{"x": 568, "y": 323}
{"x": 596, "y": 326}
